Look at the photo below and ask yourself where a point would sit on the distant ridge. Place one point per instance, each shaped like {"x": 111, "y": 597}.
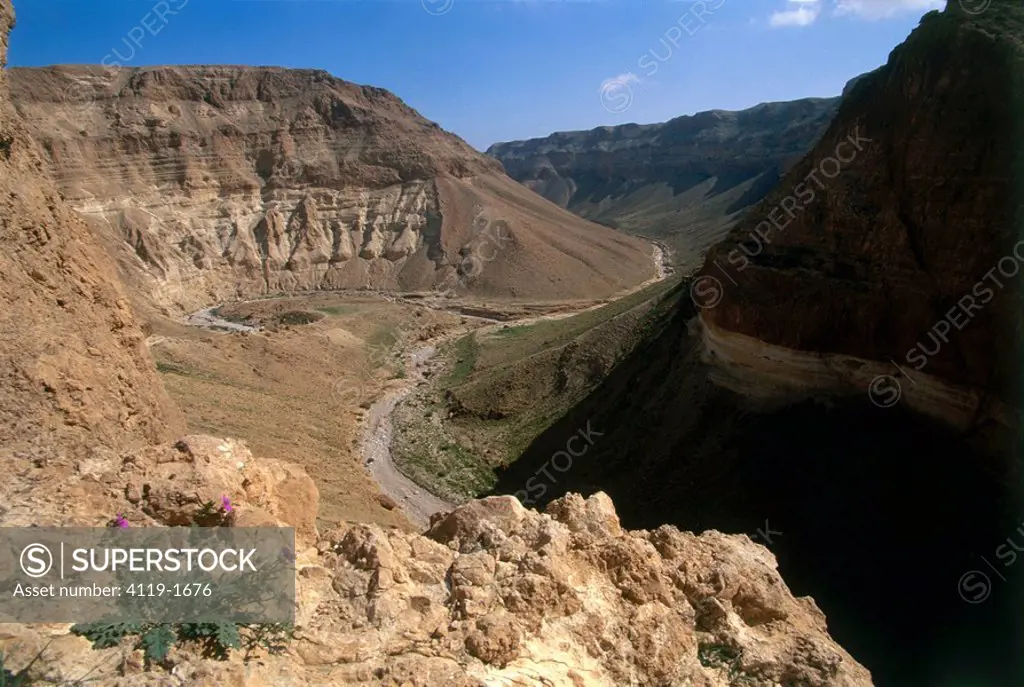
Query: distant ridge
{"x": 685, "y": 181}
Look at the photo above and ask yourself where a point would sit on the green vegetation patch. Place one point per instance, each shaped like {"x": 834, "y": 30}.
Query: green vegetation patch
{"x": 450, "y": 471}
{"x": 299, "y": 317}
{"x": 726, "y": 658}
{"x": 168, "y": 367}
{"x": 516, "y": 342}
{"x": 505, "y": 387}
{"x": 464, "y": 354}
{"x": 238, "y": 319}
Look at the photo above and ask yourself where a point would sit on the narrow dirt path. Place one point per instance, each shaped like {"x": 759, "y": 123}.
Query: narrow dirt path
{"x": 206, "y": 319}
{"x": 417, "y": 503}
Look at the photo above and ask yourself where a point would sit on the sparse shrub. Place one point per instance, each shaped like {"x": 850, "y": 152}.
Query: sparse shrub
{"x": 210, "y": 516}
{"x": 724, "y": 657}
{"x": 296, "y": 317}
{"x": 214, "y": 640}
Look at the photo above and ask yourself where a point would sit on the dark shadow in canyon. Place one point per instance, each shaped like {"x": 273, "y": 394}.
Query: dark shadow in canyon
{"x": 881, "y": 511}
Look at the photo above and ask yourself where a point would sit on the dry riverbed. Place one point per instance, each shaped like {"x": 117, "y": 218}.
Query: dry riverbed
{"x": 323, "y": 390}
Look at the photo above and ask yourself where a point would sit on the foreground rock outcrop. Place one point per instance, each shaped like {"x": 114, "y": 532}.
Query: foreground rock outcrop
{"x": 685, "y": 181}
{"x": 496, "y": 594}
{"x": 211, "y": 183}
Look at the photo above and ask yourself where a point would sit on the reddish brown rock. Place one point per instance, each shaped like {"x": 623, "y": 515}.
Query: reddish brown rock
{"x": 905, "y": 215}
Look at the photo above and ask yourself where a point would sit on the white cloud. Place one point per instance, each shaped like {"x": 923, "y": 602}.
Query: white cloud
{"x": 806, "y": 12}
{"x": 621, "y": 80}
{"x": 798, "y": 13}
{"x": 882, "y": 9}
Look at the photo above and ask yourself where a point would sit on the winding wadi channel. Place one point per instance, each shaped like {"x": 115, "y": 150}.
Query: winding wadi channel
{"x": 417, "y": 503}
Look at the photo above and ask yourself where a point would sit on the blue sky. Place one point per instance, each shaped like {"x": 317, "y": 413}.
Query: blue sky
{"x": 495, "y": 70}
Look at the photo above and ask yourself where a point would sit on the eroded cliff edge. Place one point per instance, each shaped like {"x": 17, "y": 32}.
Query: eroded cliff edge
{"x": 236, "y": 181}
{"x": 75, "y": 374}
{"x": 905, "y": 261}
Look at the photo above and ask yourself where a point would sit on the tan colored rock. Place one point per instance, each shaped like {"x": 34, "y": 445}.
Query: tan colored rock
{"x": 495, "y": 640}
{"x": 479, "y": 523}
{"x": 270, "y": 237}
{"x": 75, "y": 371}
{"x": 595, "y": 515}
{"x": 312, "y": 245}
{"x": 287, "y": 493}
{"x": 254, "y": 180}
{"x": 500, "y": 594}
{"x": 344, "y": 246}
{"x": 203, "y": 469}
{"x": 539, "y": 600}
{"x": 404, "y": 244}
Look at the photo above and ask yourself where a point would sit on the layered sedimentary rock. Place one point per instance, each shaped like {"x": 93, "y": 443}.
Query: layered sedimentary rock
{"x": 228, "y": 181}
{"x": 75, "y": 376}
{"x": 896, "y": 241}
{"x": 493, "y": 593}
{"x": 685, "y": 181}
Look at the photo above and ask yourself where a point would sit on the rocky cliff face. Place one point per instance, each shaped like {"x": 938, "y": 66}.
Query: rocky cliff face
{"x": 685, "y": 181}
{"x": 75, "y": 376}
{"x": 233, "y": 181}
{"x": 497, "y": 594}
{"x": 894, "y": 244}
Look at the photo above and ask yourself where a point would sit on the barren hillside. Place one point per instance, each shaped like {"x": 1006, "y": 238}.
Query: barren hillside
{"x": 217, "y": 182}
{"x": 685, "y": 181}
{"x": 75, "y": 376}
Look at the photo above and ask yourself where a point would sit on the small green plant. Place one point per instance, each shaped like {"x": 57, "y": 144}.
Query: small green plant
{"x": 156, "y": 639}
{"x": 271, "y": 637}
{"x": 169, "y": 368}
{"x": 18, "y": 679}
{"x": 724, "y": 657}
{"x": 209, "y": 515}
{"x": 5, "y": 146}
{"x": 298, "y": 317}
{"x": 214, "y": 640}
{"x": 717, "y": 655}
